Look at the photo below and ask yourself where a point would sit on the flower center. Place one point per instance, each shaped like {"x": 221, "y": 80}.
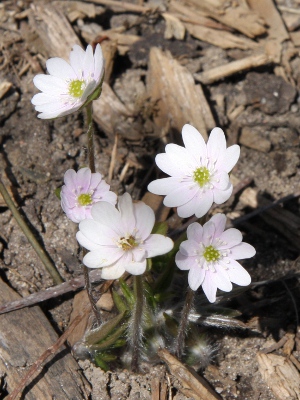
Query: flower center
{"x": 84, "y": 199}
{"x": 76, "y": 88}
{"x": 202, "y": 176}
{"x": 211, "y": 254}
{"x": 127, "y": 243}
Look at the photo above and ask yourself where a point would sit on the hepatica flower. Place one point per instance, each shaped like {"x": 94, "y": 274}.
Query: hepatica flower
{"x": 69, "y": 86}
{"x": 210, "y": 255}
{"x": 198, "y": 172}
{"x": 120, "y": 239}
{"x": 81, "y": 190}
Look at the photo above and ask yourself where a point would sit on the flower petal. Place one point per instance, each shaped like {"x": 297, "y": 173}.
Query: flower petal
{"x": 221, "y": 279}
{"x": 163, "y": 186}
{"x": 219, "y": 220}
{"x": 189, "y": 248}
{"x": 145, "y": 219}
{"x": 136, "y": 268}
{"x": 181, "y": 195}
{"x": 208, "y": 233}
{"x": 113, "y": 272}
{"x": 221, "y": 180}
{"x": 196, "y": 277}
{"x": 108, "y": 215}
{"x": 98, "y": 63}
{"x": 242, "y": 251}
{"x": 194, "y": 142}
{"x": 156, "y": 245}
{"x": 229, "y": 158}
{"x": 126, "y": 212}
{"x": 98, "y": 233}
{"x": 50, "y": 85}
{"x": 76, "y": 60}
{"x": 237, "y": 274}
{"x": 231, "y": 237}
{"x": 209, "y": 287}
{"x": 83, "y": 179}
{"x": 220, "y": 196}
{"x": 102, "y": 257}
{"x": 183, "y": 262}
{"x": 216, "y": 144}
{"x": 204, "y": 204}
{"x": 60, "y": 69}
{"x": 85, "y": 242}
{"x": 195, "y": 232}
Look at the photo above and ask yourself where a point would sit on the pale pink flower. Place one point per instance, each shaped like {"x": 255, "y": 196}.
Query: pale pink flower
{"x": 120, "y": 239}
{"x": 198, "y": 172}
{"x": 81, "y": 190}
{"x": 69, "y": 86}
{"x": 210, "y": 255}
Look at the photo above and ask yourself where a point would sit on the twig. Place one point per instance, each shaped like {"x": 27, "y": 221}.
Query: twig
{"x": 113, "y": 158}
{"x": 50, "y": 293}
{"x": 123, "y": 5}
{"x": 51, "y": 268}
{"x": 137, "y": 317}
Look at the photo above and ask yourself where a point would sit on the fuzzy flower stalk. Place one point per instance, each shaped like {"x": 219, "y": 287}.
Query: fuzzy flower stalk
{"x": 119, "y": 240}
{"x": 198, "y": 172}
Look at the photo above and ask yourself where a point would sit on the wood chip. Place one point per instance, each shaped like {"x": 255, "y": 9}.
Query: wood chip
{"x": 25, "y": 334}
{"x": 4, "y": 88}
{"x": 194, "y": 385}
{"x": 174, "y": 27}
{"x": 179, "y": 100}
{"x": 252, "y": 138}
{"x": 280, "y": 375}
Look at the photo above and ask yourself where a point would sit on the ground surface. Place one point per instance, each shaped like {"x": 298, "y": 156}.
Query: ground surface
{"x": 35, "y": 155}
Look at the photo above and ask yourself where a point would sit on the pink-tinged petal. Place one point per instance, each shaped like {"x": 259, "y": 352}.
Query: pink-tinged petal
{"x": 194, "y": 142}
{"x": 85, "y": 242}
{"x": 163, "y": 186}
{"x": 109, "y": 197}
{"x": 70, "y": 178}
{"x": 172, "y": 165}
{"x": 99, "y": 63}
{"x": 181, "y": 195}
{"x": 77, "y": 214}
{"x": 204, "y": 204}
{"x": 136, "y": 268}
{"x": 125, "y": 207}
{"x": 88, "y": 66}
{"x": 83, "y": 179}
{"x": 60, "y": 69}
{"x": 209, "y": 287}
{"x": 237, "y": 274}
{"x": 157, "y": 245}
{"x": 189, "y": 248}
{"x": 208, "y": 233}
{"x": 98, "y": 233}
{"x": 229, "y": 158}
{"x": 76, "y": 60}
{"x": 50, "y": 84}
{"x": 108, "y": 215}
{"x": 220, "y": 196}
{"x": 221, "y": 279}
{"x": 96, "y": 180}
{"x": 188, "y": 209}
{"x": 113, "y": 272}
{"x": 221, "y": 180}
{"x": 231, "y": 237}
{"x": 196, "y": 277}
{"x": 195, "y": 232}
{"x": 67, "y": 200}
{"x": 145, "y": 219}
{"x": 103, "y": 257}
{"x": 216, "y": 144}
{"x": 219, "y": 220}
{"x": 183, "y": 262}
{"x": 242, "y": 251}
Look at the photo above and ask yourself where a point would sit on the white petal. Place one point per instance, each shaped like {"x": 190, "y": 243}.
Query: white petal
{"x": 237, "y": 274}
{"x": 181, "y": 195}
{"x": 229, "y": 158}
{"x": 55, "y": 107}
{"x": 70, "y": 178}
{"x": 216, "y": 144}
{"x": 145, "y": 219}
{"x": 83, "y": 179}
{"x": 108, "y": 215}
{"x": 194, "y": 142}
{"x": 163, "y": 186}
{"x": 209, "y": 287}
{"x": 208, "y": 233}
{"x": 188, "y": 209}
{"x": 221, "y": 180}
{"x": 99, "y": 63}
{"x": 136, "y": 268}
{"x": 60, "y": 69}
{"x": 76, "y": 60}
{"x": 125, "y": 207}
{"x": 88, "y": 66}
{"x": 50, "y": 84}
{"x": 113, "y": 272}
{"x": 204, "y": 204}
{"x": 196, "y": 277}
{"x": 102, "y": 257}
{"x": 231, "y": 237}
{"x": 195, "y": 232}
{"x": 241, "y": 251}
{"x": 183, "y": 262}
{"x": 157, "y": 245}
{"x": 220, "y": 196}
{"x": 42, "y": 98}
{"x": 180, "y": 155}
{"x": 170, "y": 166}
{"x": 221, "y": 279}
{"x": 85, "y": 242}
{"x": 219, "y": 220}
{"x": 98, "y": 233}
{"x": 189, "y": 248}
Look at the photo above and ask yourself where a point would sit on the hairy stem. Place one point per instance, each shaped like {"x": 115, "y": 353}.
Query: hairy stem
{"x": 179, "y": 343}
{"x": 91, "y": 157}
{"x": 49, "y": 265}
{"x": 136, "y": 327}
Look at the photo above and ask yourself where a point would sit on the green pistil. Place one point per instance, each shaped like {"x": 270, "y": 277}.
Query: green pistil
{"x": 202, "y": 176}
{"x": 128, "y": 243}
{"x": 211, "y": 254}
{"x": 76, "y": 88}
{"x": 84, "y": 199}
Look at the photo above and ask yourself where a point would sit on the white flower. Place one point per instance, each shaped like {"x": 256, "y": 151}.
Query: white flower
{"x": 68, "y": 87}
{"x": 121, "y": 240}
{"x": 81, "y": 190}
{"x": 199, "y": 172}
{"x": 210, "y": 255}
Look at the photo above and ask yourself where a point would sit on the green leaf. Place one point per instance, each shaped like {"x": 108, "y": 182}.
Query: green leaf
{"x": 127, "y": 292}
{"x": 161, "y": 228}
{"x": 57, "y": 193}
{"x": 119, "y": 302}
